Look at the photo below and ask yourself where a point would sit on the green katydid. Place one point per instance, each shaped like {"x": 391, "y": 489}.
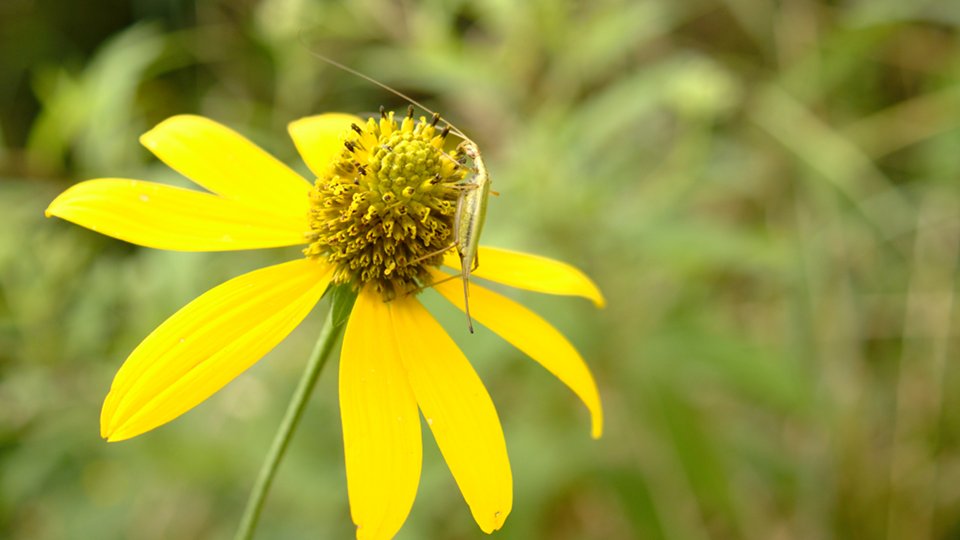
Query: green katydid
{"x": 469, "y": 219}
{"x": 471, "y": 208}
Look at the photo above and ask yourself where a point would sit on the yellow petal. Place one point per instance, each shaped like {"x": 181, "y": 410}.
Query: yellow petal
{"x": 381, "y": 426}
{"x": 166, "y": 217}
{"x": 458, "y": 410}
{"x": 534, "y": 336}
{"x": 530, "y": 272}
{"x": 224, "y": 162}
{"x": 319, "y": 138}
{"x": 207, "y": 344}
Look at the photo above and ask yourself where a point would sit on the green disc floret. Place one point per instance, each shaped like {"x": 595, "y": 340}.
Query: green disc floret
{"x": 385, "y": 208}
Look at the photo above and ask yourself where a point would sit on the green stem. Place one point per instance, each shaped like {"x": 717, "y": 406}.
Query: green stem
{"x": 318, "y": 358}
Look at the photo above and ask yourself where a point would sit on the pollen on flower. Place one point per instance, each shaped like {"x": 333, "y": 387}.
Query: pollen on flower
{"x": 385, "y": 209}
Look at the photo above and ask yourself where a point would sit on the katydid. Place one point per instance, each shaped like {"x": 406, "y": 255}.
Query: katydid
{"x": 468, "y": 222}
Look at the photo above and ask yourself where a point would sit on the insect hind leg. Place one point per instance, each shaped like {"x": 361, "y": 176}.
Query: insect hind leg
{"x": 421, "y": 288}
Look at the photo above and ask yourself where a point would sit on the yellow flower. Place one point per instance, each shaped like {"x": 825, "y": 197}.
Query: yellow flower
{"x": 384, "y": 197}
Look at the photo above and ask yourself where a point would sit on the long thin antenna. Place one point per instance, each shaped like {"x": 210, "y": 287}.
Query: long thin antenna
{"x": 393, "y": 91}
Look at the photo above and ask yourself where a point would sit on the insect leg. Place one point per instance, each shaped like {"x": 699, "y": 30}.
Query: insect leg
{"x": 455, "y": 244}
{"x": 456, "y": 235}
{"x": 464, "y": 269}
{"x": 465, "y": 274}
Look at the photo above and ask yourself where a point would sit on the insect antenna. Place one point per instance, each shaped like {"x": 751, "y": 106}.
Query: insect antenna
{"x": 401, "y": 95}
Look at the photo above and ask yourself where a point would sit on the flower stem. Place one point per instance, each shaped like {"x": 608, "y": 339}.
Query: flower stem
{"x": 329, "y": 334}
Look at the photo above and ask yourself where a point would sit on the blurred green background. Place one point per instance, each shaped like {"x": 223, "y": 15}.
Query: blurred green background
{"x": 766, "y": 191}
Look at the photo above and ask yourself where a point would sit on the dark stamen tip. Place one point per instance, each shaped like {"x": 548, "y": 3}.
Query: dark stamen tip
{"x": 445, "y": 132}
{"x": 356, "y": 128}
{"x": 435, "y": 119}
{"x": 409, "y": 111}
{"x": 383, "y": 112}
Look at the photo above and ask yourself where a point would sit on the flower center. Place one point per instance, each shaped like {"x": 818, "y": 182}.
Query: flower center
{"x": 384, "y": 210}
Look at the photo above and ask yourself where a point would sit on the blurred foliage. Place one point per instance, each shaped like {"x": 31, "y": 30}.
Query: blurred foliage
{"x": 767, "y": 192}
